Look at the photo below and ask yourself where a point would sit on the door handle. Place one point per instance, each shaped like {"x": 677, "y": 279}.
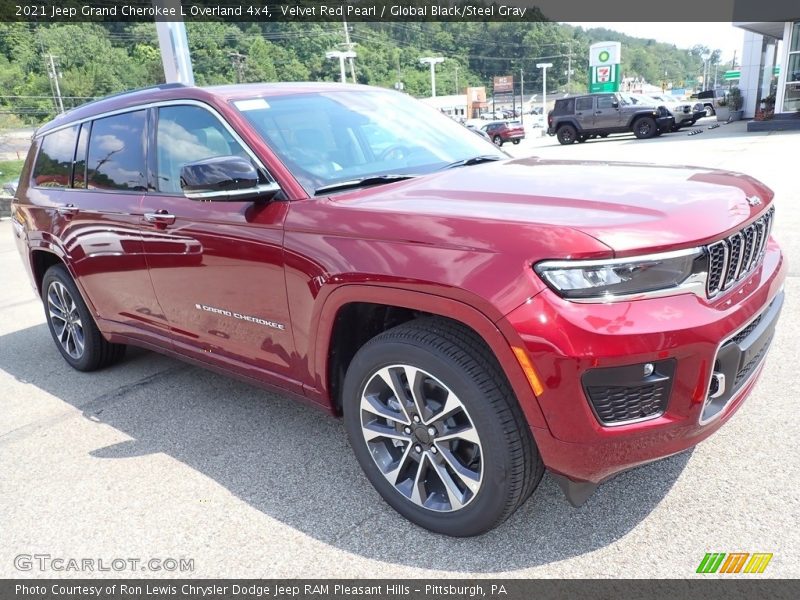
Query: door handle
{"x": 580, "y": 114}
{"x": 598, "y": 112}
{"x": 160, "y": 217}
{"x": 67, "y": 211}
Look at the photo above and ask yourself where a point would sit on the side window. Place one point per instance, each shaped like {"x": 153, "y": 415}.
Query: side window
{"x": 604, "y": 102}
{"x": 584, "y": 103}
{"x": 79, "y": 174}
{"x": 54, "y": 164}
{"x": 187, "y": 134}
{"x": 116, "y": 153}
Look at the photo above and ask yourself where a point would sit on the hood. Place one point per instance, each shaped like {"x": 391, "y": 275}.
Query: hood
{"x": 629, "y": 207}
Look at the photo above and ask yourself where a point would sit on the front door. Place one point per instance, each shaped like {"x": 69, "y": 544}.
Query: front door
{"x": 217, "y": 267}
{"x": 606, "y": 115}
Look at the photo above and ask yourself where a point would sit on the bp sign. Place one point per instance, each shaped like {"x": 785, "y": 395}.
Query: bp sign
{"x": 604, "y": 67}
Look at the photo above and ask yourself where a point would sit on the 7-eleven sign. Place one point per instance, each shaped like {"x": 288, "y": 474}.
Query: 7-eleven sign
{"x": 604, "y": 78}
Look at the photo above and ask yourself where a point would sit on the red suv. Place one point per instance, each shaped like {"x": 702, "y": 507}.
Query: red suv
{"x": 474, "y": 319}
{"x": 503, "y": 132}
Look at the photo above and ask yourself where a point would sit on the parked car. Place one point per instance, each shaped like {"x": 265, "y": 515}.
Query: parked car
{"x": 709, "y": 98}
{"x": 479, "y": 131}
{"x": 579, "y": 118}
{"x": 493, "y": 116}
{"x": 9, "y": 188}
{"x": 685, "y": 113}
{"x": 503, "y": 131}
{"x": 474, "y": 319}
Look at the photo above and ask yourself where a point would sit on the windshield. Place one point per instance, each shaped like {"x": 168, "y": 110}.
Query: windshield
{"x": 331, "y": 137}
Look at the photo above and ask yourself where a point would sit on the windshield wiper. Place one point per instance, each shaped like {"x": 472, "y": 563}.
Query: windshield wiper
{"x": 362, "y": 182}
{"x": 466, "y": 162}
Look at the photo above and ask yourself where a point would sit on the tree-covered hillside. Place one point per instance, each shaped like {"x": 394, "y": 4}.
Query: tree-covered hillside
{"x": 94, "y": 60}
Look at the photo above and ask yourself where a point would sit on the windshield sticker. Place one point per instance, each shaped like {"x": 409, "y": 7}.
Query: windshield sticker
{"x": 251, "y": 104}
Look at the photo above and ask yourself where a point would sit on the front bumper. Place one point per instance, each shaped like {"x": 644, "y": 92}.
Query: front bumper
{"x": 665, "y": 123}
{"x": 565, "y": 340}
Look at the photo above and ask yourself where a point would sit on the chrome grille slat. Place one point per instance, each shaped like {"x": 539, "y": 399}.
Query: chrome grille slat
{"x": 732, "y": 258}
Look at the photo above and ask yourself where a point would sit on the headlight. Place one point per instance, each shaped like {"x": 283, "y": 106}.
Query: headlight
{"x": 617, "y": 279}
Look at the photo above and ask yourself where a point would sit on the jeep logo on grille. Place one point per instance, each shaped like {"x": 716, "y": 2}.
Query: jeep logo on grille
{"x": 753, "y": 200}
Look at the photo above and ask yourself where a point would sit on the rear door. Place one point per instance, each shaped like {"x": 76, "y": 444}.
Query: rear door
{"x": 217, "y": 267}
{"x": 98, "y": 218}
{"x": 584, "y": 112}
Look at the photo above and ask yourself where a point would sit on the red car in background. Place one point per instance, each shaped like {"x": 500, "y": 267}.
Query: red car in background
{"x": 503, "y": 131}
{"x": 474, "y": 319}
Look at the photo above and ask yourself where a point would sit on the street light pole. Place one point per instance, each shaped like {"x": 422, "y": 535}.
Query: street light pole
{"x": 544, "y": 67}
{"x": 341, "y": 56}
{"x": 432, "y": 61}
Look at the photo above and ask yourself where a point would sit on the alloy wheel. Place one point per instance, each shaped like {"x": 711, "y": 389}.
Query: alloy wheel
{"x": 66, "y": 321}
{"x": 421, "y": 438}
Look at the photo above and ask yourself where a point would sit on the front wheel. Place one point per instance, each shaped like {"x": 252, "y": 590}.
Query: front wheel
{"x": 645, "y": 128}
{"x": 498, "y": 141}
{"x": 71, "y": 324}
{"x": 516, "y": 142}
{"x": 437, "y": 430}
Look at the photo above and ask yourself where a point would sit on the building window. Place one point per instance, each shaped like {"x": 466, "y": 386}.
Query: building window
{"x": 791, "y": 96}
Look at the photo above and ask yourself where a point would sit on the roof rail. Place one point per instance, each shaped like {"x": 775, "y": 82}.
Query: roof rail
{"x": 160, "y": 86}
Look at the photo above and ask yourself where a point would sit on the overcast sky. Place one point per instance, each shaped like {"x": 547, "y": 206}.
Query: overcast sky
{"x": 724, "y": 36}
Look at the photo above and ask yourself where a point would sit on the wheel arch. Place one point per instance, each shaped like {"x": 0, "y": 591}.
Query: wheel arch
{"x": 328, "y": 357}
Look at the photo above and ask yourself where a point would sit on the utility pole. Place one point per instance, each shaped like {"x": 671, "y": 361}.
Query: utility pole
{"x": 54, "y": 75}
{"x": 341, "y": 56}
{"x": 238, "y": 60}
{"x": 349, "y": 48}
{"x": 432, "y": 61}
{"x": 569, "y": 67}
{"x": 522, "y": 97}
{"x": 456, "y": 80}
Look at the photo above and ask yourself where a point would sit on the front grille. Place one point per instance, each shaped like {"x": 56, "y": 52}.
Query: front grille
{"x": 731, "y": 259}
{"x": 619, "y": 404}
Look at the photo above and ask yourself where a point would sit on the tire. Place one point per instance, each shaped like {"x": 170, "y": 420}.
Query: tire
{"x": 516, "y": 142}
{"x": 710, "y": 112}
{"x": 71, "y": 324}
{"x": 645, "y": 128}
{"x": 448, "y": 365}
{"x": 566, "y": 135}
{"x": 498, "y": 141}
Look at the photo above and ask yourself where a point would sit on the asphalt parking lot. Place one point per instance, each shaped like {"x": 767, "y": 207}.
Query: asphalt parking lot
{"x": 156, "y": 459}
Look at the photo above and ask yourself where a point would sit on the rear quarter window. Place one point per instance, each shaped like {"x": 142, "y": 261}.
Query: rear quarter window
{"x": 54, "y": 164}
{"x": 564, "y": 107}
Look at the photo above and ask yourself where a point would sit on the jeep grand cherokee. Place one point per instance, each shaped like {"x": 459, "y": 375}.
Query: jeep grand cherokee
{"x": 474, "y": 319}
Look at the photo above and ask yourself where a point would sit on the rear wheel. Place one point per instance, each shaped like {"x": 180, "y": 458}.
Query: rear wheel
{"x": 71, "y": 324}
{"x": 437, "y": 430}
{"x": 710, "y": 112}
{"x": 566, "y": 135}
{"x": 516, "y": 142}
{"x": 645, "y": 128}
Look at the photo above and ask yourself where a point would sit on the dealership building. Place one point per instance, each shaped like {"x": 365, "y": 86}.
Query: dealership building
{"x": 767, "y": 46}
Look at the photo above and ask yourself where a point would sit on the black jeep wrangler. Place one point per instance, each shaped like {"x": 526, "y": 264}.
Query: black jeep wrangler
{"x": 579, "y": 118}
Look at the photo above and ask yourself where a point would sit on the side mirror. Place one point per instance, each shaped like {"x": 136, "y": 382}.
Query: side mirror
{"x": 614, "y": 104}
{"x": 223, "y": 178}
